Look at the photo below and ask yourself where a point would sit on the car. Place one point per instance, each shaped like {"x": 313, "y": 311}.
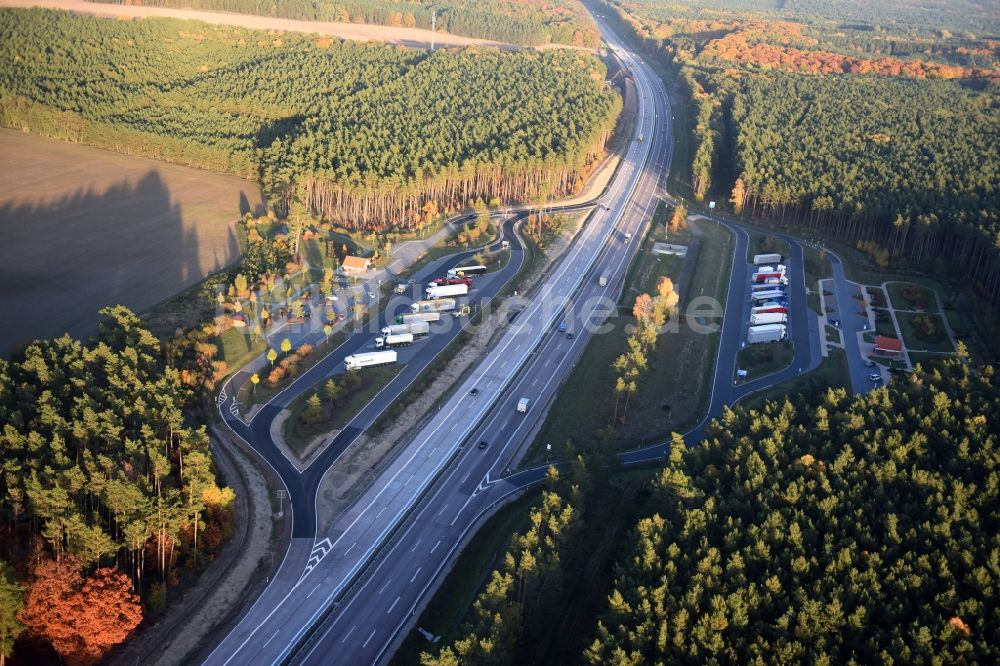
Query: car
{"x": 483, "y": 445}
{"x": 870, "y": 363}
{"x": 835, "y": 322}
{"x": 875, "y": 377}
{"x": 474, "y": 392}
{"x": 371, "y": 294}
{"x": 569, "y": 336}
{"x": 562, "y": 327}
{"x": 332, "y": 297}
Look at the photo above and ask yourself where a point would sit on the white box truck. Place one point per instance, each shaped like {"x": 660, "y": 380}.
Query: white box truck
{"x": 766, "y": 333}
{"x": 762, "y": 259}
{"x": 397, "y": 340}
{"x": 445, "y": 291}
{"x": 603, "y": 281}
{"x": 768, "y": 318}
{"x": 412, "y": 317}
{"x": 369, "y": 359}
{"x": 522, "y": 406}
{"x": 438, "y": 305}
{"x": 416, "y": 328}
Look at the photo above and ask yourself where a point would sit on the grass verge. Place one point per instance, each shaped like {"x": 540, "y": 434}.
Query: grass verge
{"x": 249, "y": 396}
{"x": 299, "y": 432}
{"x": 910, "y": 296}
{"x": 672, "y": 393}
{"x": 831, "y": 373}
{"x": 913, "y": 331}
{"x": 763, "y": 359}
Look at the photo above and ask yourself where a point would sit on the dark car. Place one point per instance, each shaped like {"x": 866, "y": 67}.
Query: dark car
{"x": 562, "y": 327}
{"x": 569, "y": 336}
{"x": 474, "y": 392}
{"x": 483, "y": 445}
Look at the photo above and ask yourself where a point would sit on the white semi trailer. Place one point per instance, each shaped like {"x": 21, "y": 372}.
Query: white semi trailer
{"x": 369, "y": 359}
{"x": 446, "y": 291}
{"x": 397, "y": 340}
{"x": 416, "y": 328}
{"x": 762, "y": 259}
{"x": 768, "y": 318}
{"x": 767, "y": 333}
{"x": 439, "y": 305}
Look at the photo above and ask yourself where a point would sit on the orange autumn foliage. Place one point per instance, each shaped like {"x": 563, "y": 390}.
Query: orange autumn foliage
{"x": 83, "y": 618}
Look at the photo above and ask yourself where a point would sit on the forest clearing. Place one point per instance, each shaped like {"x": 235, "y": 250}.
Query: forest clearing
{"x": 85, "y": 228}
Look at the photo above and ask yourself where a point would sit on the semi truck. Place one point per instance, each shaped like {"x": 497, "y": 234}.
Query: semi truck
{"x": 780, "y": 268}
{"x": 763, "y": 277}
{"x": 769, "y": 309}
{"x": 413, "y": 317}
{"x": 768, "y": 318}
{"x": 445, "y": 291}
{"x": 451, "y": 279}
{"x": 764, "y": 296}
{"x": 764, "y": 287}
{"x": 467, "y": 270}
{"x": 766, "y": 333}
{"x": 397, "y": 340}
{"x": 437, "y": 305}
{"x": 416, "y": 329}
{"x": 762, "y": 259}
{"x": 369, "y": 359}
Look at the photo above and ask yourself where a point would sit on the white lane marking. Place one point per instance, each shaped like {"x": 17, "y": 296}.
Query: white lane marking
{"x": 369, "y": 639}
{"x": 382, "y": 589}
{"x": 270, "y": 639}
{"x": 380, "y": 512}
{"x": 436, "y": 545}
{"x": 392, "y": 606}
{"x": 316, "y": 587}
{"x": 349, "y": 632}
{"x": 463, "y": 508}
{"x": 415, "y": 574}
{"x": 442, "y": 511}
{"x": 466, "y": 477}
{"x": 416, "y": 544}
{"x": 351, "y": 548}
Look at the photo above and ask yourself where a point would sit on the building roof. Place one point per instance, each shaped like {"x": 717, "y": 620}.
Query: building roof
{"x": 883, "y": 343}
{"x": 356, "y": 262}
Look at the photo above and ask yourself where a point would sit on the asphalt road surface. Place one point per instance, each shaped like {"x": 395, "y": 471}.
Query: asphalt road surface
{"x": 326, "y": 570}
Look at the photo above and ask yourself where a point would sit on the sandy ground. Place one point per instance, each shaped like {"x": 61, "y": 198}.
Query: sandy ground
{"x": 354, "y": 472}
{"x": 412, "y": 37}
{"x": 86, "y": 228}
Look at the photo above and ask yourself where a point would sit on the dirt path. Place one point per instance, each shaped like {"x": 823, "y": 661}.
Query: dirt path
{"x": 413, "y": 37}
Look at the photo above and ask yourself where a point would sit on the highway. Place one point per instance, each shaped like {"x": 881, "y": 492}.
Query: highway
{"x": 319, "y": 569}
{"x": 373, "y": 613}
{"x": 351, "y": 593}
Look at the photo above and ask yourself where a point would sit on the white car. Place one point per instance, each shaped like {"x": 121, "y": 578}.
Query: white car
{"x": 875, "y": 377}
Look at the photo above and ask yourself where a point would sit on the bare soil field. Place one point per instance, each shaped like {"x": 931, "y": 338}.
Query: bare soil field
{"x": 83, "y": 228}
{"x": 413, "y": 37}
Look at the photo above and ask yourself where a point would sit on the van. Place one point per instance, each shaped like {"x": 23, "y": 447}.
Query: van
{"x": 522, "y": 406}
{"x": 603, "y": 281}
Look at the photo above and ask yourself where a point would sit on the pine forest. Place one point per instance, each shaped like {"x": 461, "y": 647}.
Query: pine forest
{"x": 367, "y": 135}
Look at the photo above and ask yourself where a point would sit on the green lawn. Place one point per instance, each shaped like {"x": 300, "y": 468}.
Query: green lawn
{"x": 910, "y": 296}
{"x": 816, "y": 266}
{"x": 764, "y": 359}
{"x": 831, "y": 373}
{"x": 237, "y": 348}
{"x": 913, "y": 341}
{"x": 833, "y": 334}
{"x": 298, "y": 433}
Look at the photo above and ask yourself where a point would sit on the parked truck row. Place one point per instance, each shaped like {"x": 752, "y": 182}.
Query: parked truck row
{"x": 769, "y": 312}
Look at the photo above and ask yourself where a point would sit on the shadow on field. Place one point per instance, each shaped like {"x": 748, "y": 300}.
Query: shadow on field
{"x": 61, "y": 261}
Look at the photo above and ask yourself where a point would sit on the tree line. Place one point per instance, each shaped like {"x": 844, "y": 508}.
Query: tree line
{"x": 554, "y": 22}
{"x": 366, "y": 135}
{"x": 109, "y": 494}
